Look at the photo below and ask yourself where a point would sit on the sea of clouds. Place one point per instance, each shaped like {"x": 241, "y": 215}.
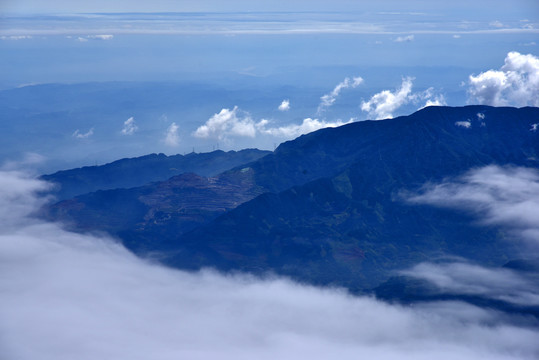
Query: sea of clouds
{"x": 76, "y": 296}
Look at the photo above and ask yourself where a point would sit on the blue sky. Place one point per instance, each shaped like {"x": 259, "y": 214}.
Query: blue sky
{"x": 73, "y": 41}
{"x": 473, "y": 9}
{"x": 251, "y": 56}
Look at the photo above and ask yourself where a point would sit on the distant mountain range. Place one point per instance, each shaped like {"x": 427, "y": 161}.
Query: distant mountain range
{"x": 127, "y": 173}
{"x": 325, "y": 208}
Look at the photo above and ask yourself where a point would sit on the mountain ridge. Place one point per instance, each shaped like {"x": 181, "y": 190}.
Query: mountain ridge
{"x": 329, "y": 208}
{"x": 138, "y": 171}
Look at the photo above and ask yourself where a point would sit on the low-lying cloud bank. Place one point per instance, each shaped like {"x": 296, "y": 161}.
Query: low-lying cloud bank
{"x": 72, "y": 296}
{"x": 462, "y": 278}
{"x": 506, "y": 196}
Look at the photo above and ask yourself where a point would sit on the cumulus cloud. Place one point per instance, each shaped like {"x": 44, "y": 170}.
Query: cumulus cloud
{"x": 328, "y": 99}
{"x": 236, "y": 123}
{"x": 516, "y": 83}
{"x": 225, "y": 124}
{"x": 383, "y": 104}
{"x": 506, "y": 196}
{"x": 67, "y": 296}
{"x": 78, "y": 135}
{"x": 172, "y": 138}
{"x": 407, "y": 38}
{"x": 129, "y": 126}
{"x": 294, "y": 130}
{"x": 285, "y": 105}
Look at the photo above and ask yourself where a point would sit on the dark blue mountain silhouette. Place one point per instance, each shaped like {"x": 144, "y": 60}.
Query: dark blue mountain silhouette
{"x": 132, "y": 172}
{"x": 326, "y": 208}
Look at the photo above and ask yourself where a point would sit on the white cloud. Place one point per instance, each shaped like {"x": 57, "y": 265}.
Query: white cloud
{"x": 534, "y": 127}
{"x": 506, "y": 196}
{"x": 74, "y": 296}
{"x": 235, "y": 123}
{"x": 285, "y": 105}
{"x": 516, "y": 83}
{"x": 129, "y": 127}
{"x": 15, "y": 37}
{"x": 225, "y": 124}
{"x": 461, "y": 278}
{"x": 457, "y": 36}
{"x": 480, "y": 116}
{"x": 172, "y": 138}
{"x": 464, "y": 124}
{"x": 328, "y": 99}
{"x": 292, "y": 131}
{"x": 438, "y": 100}
{"x": 77, "y": 134}
{"x": 408, "y": 38}
{"x": 100, "y": 37}
{"x": 18, "y": 198}
{"x": 383, "y": 104}
{"x": 93, "y": 37}
{"x": 496, "y": 24}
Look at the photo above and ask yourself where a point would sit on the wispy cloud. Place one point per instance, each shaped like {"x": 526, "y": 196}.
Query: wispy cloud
{"x": 461, "y": 278}
{"x": 28, "y": 160}
{"x": 100, "y": 37}
{"x": 172, "y": 138}
{"x": 384, "y": 104}
{"x": 431, "y": 98}
{"x": 407, "y": 38}
{"x": 129, "y": 127}
{"x": 16, "y": 37}
{"x": 77, "y": 134}
{"x": 516, "y": 83}
{"x": 329, "y": 99}
{"x": 126, "y": 308}
{"x": 503, "y": 196}
{"x": 231, "y": 23}
{"x": 496, "y": 24}
{"x": 93, "y": 37}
